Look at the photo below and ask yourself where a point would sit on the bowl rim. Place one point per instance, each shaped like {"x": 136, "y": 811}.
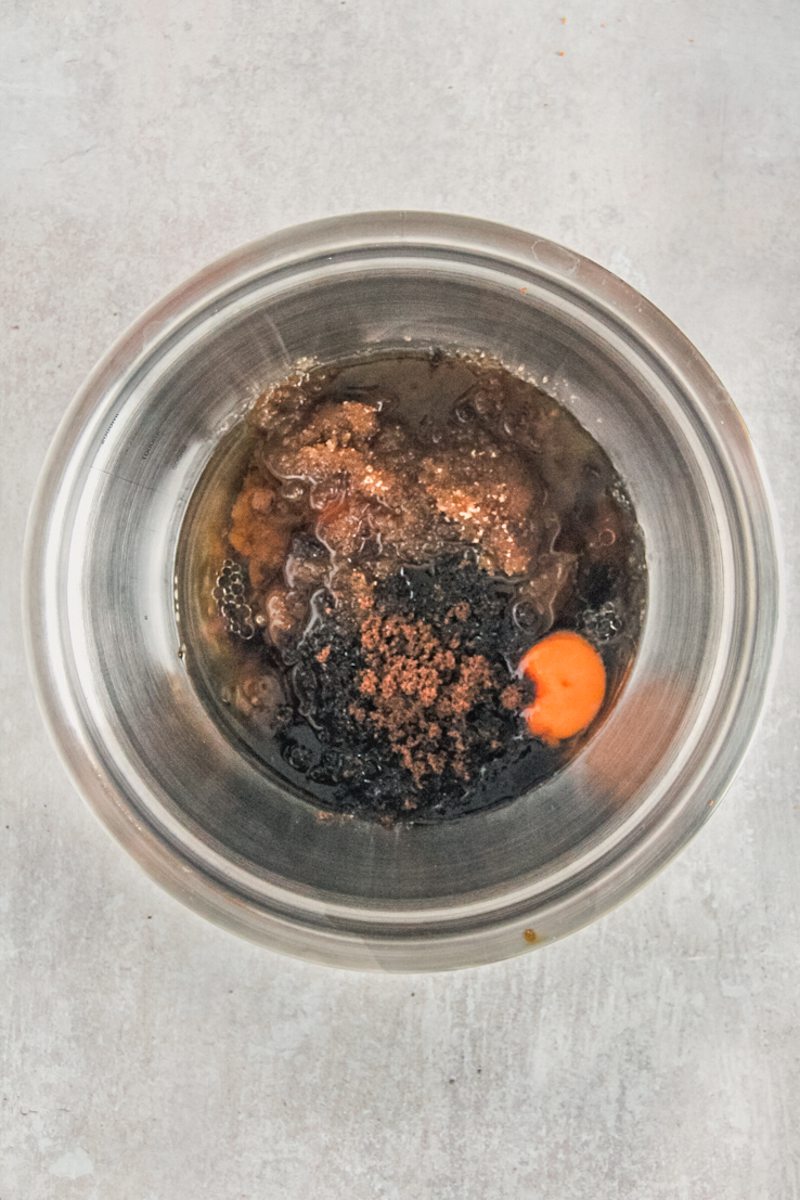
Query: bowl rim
{"x": 289, "y": 248}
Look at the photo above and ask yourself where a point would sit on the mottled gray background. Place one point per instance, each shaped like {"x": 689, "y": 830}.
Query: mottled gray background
{"x": 149, "y": 1056}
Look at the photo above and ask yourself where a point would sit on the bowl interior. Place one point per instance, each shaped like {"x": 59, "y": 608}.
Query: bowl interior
{"x": 135, "y": 458}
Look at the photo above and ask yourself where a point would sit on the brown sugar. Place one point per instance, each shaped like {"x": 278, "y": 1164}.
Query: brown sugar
{"x": 258, "y": 533}
{"x": 418, "y": 694}
{"x": 492, "y": 502}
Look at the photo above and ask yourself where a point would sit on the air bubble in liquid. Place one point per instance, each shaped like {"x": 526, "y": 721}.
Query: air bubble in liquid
{"x": 525, "y": 616}
{"x": 602, "y": 624}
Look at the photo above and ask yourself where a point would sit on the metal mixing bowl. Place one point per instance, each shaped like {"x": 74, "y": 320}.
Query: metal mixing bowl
{"x": 104, "y": 641}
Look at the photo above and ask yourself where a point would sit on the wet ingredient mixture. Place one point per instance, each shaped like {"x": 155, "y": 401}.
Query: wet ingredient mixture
{"x": 411, "y": 584}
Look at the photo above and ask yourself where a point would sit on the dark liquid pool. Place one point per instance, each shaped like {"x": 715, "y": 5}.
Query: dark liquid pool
{"x": 367, "y": 559}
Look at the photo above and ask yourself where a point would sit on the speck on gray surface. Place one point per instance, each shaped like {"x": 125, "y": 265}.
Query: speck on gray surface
{"x": 145, "y": 1054}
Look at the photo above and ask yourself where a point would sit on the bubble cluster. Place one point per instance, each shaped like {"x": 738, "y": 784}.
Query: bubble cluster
{"x": 230, "y": 594}
{"x": 602, "y": 624}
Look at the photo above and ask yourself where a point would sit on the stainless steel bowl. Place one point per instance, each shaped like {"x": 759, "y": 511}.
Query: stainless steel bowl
{"x": 204, "y": 820}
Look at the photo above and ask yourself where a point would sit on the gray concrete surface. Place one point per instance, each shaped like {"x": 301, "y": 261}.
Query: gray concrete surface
{"x": 147, "y": 1055}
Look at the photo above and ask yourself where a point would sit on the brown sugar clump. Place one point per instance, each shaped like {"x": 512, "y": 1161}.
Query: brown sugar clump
{"x": 257, "y": 531}
{"x": 492, "y": 501}
{"x": 418, "y": 695}
{"x": 512, "y": 697}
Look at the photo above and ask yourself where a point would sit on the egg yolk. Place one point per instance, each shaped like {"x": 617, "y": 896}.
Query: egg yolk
{"x": 570, "y": 682}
